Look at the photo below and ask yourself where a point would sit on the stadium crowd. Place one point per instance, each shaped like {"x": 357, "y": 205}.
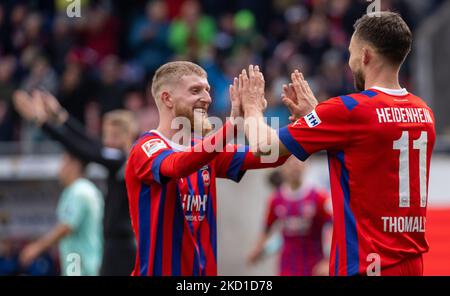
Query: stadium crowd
{"x": 102, "y": 60}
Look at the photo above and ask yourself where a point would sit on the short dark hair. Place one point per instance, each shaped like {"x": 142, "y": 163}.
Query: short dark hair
{"x": 83, "y": 162}
{"x": 388, "y": 33}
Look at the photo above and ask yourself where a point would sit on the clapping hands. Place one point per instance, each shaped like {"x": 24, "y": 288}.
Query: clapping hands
{"x": 247, "y": 94}
{"x": 298, "y": 97}
{"x": 39, "y": 107}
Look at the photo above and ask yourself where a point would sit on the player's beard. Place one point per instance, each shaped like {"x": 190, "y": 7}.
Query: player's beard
{"x": 199, "y": 121}
{"x": 359, "y": 80}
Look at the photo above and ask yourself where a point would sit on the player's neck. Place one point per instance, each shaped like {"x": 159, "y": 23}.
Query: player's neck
{"x": 70, "y": 179}
{"x": 166, "y": 131}
{"x": 384, "y": 77}
{"x": 294, "y": 185}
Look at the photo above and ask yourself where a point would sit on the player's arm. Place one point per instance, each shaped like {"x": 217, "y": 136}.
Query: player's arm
{"x": 44, "y": 110}
{"x": 183, "y": 164}
{"x": 71, "y": 213}
{"x": 263, "y": 139}
{"x": 325, "y": 212}
{"x": 33, "y": 250}
{"x": 235, "y": 155}
{"x": 152, "y": 160}
{"x": 258, "y": 250}
{"x": 327, "y": 127}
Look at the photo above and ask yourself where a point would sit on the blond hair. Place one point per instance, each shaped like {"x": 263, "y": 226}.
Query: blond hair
{"x": 172, "y": 73}
{"x": 123, "y": 119}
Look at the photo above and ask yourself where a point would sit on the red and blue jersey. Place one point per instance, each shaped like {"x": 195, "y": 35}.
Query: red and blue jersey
{"x": 379, "y": 145}
{"x": 302, "y": 214}
{"x": 174, "y": 219}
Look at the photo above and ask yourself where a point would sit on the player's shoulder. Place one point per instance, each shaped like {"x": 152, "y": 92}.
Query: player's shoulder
{"x": 419, "y": 101}
{"x": 352, "y": 100}
{"x": 149, "y": 142}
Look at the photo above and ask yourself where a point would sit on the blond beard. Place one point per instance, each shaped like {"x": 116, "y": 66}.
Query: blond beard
{"x": 200, "y": 123}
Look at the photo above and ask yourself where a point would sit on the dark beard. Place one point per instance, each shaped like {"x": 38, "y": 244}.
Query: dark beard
{"x": 359, "y": 81}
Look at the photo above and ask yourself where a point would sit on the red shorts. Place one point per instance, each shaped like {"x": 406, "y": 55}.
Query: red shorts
{"x": 408, "y": 267}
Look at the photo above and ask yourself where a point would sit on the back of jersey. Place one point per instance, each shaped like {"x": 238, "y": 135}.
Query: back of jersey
{"x": 379, "y": 145}
{"x": 380, "y": 182}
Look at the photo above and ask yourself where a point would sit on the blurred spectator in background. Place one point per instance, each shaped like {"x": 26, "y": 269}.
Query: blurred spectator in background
{"x": 8, "y": 259}
{"x": 41, "y": 76}
{"x": 43, "y": 265}
{"x": 305, "y": 217}
{"x": 116, "y": 48}
{"x": 191, "y": 32}
{"x": 62, "y": 40}
{"x": 73, "y": 91}
{"x": 98, "y": 32}
{"x": 149, "y": 37}
{"x": 7, "y": 86}
{"x": 119, "y": 133}
{"x": 144, "y": 110}
{"x": 110, "y": 88}
{"x": 4, "y": 38}
{"x": 79, "y": 228}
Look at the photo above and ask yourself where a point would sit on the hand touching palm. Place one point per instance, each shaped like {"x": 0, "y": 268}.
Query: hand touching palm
{"x": 298, "y": 97}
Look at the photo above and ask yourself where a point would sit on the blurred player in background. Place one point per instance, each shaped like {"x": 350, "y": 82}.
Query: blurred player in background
{"x": 305, "y": 217}
{"x": 118, "y": 133}
{"x": 379, "y": 145}
{"x": 79, "y": 229}
{"x": 172, "y": 187}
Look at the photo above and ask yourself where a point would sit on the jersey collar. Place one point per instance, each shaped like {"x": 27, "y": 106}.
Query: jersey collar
{"x": 173, "y": 145}
{"x": 392, "y": 92}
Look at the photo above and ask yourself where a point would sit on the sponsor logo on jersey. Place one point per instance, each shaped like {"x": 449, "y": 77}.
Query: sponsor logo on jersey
{"x": 194, "y": 206}
{"x": 312, "y": 119}
{"x": 152, "y": 146}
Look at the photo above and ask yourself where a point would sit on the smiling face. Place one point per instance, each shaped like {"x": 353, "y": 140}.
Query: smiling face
{"x": 181, "y": 90}
{"x": 191, "y": 99}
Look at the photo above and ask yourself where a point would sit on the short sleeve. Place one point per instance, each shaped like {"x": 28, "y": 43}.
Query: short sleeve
{"x": 325, "y": 128}
{"x": 146, "y": 157}
{"x": 72, "y": 209}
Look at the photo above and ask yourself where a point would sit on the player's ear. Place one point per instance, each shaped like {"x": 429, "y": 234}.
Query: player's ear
{"x": 166, "y": 99}
{"x": 366, "y": 55}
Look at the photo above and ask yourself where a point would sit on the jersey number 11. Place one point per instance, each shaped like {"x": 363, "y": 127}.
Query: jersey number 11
{"x": 420, "y": 144}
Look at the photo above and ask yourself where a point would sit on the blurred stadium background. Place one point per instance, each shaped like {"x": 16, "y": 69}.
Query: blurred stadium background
{"x": 102, "y": 61}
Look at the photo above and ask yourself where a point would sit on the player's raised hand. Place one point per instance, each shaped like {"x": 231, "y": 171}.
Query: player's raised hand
{"x": 23, "y": 105}
{"x": 53, "y": 108}
{"x": 298, "y": 97}
{"x": 29, "y": 108}
{"x": 261, "y": 85}
{"x": 236, "y": 110}
{"x": 251, "y": 89}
